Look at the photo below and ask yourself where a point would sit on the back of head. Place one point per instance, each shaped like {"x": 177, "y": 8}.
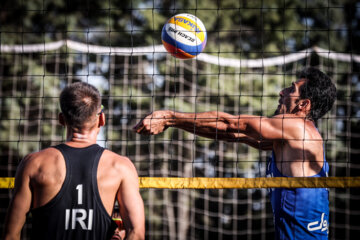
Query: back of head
{"x": 79, "y": 103}
{"x": 320, "y": 90}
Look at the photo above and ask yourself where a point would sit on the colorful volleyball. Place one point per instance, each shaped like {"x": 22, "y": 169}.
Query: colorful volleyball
{"x": 184, "y": 36}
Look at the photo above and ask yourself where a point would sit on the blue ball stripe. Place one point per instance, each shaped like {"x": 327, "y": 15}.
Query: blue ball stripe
{"x": 192, "y": 50}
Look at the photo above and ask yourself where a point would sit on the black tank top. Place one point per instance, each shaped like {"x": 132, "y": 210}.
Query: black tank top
{"x": 76, "y": 212}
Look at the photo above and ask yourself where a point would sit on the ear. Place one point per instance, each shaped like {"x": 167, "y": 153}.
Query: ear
{"x": 305, "y": 104}
{"x": 61, "y": 119}
{"x": 102, "y": 120}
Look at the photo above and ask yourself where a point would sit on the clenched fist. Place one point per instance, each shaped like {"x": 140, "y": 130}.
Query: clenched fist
{"x": 154, "y": 123}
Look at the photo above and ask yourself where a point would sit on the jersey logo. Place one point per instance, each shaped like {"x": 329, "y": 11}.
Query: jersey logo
{"x": 314, "y": 226}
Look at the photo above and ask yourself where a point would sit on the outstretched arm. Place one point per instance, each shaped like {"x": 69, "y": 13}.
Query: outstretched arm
{"x": 214, "y": 125}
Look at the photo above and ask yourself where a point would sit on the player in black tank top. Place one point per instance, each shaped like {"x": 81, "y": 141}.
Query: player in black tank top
{"x": 71, "y": 189}
{"x": 76, "y": 212}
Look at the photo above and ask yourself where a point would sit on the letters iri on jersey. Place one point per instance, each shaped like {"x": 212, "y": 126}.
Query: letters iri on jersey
{"x": 79, "y": 217}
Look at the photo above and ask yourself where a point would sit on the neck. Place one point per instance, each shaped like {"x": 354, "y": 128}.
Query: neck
{"x": 81, "y": 139}
{"x": 298, "y": 114}
{"x": 305, "y": 116}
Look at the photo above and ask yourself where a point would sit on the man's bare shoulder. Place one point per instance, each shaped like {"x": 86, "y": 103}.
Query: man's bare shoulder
{"x": 117, "y": 161}
{"x": 288, "y": 116}
{"x": 115, "y": 156}
{"x": 293, "y": 120}
{"x": 48, "y": 160}
{"x": 289, "y": 121}
{"x": 296, "y": 127}
{"x": 43, "y": 155}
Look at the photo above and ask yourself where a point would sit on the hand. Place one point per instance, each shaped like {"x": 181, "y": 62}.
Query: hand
{"x": 154, "y": 123}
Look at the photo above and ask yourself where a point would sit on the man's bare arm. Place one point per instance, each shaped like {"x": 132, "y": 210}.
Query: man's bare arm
{"x": 130, "y": 203}
{"x": 231, "y": 137}
{"x": 20, "y": 203}
{"x": 214, "y": 125}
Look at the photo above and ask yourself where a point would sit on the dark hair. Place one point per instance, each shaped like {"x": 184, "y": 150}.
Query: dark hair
{"x": 79, "y": 102}
{"x": 320, "y": 90}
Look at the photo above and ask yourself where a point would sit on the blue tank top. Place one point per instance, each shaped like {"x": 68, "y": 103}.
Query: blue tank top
{"x": 76, "y": 212}
{"x": 299, "y": 213}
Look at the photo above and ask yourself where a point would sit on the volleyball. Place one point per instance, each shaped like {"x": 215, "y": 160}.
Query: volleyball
{"x": 184, "y": 36}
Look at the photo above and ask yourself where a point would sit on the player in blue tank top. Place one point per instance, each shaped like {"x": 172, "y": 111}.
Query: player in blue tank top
{"x": 299, "y": 213}
{"x": 292, "y": 136}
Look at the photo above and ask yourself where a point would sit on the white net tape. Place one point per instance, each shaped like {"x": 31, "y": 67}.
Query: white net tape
{"x": 159, "y": 49}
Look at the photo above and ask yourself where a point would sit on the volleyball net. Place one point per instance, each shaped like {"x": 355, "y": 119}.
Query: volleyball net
{"x": 178, "y": 170}
{"x": 193, "y": 187}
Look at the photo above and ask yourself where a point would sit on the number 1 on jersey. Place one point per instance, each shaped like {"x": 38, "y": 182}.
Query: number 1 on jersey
{"x": 80, "y": 193}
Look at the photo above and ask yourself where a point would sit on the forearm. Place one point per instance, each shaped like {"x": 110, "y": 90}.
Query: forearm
{"x": 208, "y": 124}
{"x": 233, "y": 137}
{"x": 218, "y": 126}
{"x": 13, "y": 222}
{"x": 214, "y": 125}
{"x": 18, "y": 207}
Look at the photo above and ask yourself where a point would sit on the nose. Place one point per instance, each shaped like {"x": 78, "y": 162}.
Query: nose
{"x": 281, "y": 93}
{"x": 285, "y": 92}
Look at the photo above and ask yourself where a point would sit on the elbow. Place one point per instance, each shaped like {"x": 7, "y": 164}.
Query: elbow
{"x": 136, "y": 234}
{"x": 140, "y": 236}
{"x": 237, "y": 128}
{"x": 234, "y": 124}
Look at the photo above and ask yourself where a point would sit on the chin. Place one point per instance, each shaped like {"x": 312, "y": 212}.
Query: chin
{"x": 277, "y": 111}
